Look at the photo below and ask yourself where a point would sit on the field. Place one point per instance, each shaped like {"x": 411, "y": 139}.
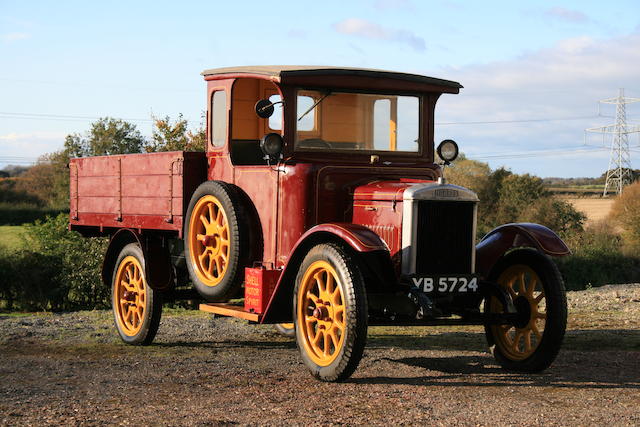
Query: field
{"x": 73, "y": 369}
{"x": 596, "y": 208}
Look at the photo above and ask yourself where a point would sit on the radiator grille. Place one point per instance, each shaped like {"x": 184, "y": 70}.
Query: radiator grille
{"x": 444, "y": 240}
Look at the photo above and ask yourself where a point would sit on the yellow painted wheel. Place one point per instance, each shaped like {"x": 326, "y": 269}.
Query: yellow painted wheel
{"x": 330, "y": 312}
{"x": 532, "y": 342}
{"x": 321, "y": 313}
{"x": 217, "y": 240}
{"x": 209, "y": 240}
{"x": 519, "y": 342}
{"x": 130, "y": 296}
{"x": 136, "y": 307}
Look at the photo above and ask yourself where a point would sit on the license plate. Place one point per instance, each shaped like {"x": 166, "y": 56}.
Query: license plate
{"x": 446, "y": 284}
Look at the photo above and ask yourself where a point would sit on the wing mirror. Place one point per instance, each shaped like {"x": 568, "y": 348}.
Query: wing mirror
{"x": 264, "y": 108}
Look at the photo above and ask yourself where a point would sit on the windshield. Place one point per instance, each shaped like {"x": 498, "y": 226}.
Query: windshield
{"x": 332, "y": 121}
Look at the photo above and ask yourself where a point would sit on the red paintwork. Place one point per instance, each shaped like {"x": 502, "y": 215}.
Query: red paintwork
{"x": 259, "y": 284}
{"x": 359, "y": 195}
{"x": 137, "y": 191}
{"x": 508, "y": 236}
{"x": 359, "y": 237}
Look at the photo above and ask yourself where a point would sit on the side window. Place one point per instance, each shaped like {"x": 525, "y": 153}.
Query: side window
{"x": 218, "y": 113}
{"x": 307, "y": 122}
{"x": 275, "y": 121}
{"x": 381, "y": 124}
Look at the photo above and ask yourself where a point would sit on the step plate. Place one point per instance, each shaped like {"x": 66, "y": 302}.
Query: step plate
{"x": 230, "y": 310}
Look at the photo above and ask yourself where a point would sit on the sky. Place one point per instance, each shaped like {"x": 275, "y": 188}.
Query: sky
{"x": 532, "y": 71}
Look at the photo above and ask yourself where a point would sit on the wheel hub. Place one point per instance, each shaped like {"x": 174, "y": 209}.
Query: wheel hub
{"x": 321, "y": 312}
{"x": 523, "y": 307}
{"x": 129, "y": 296}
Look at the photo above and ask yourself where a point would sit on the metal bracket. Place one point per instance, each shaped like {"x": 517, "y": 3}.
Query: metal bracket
{"x": 178, "y": 172}
{"x": 119, "y": 216}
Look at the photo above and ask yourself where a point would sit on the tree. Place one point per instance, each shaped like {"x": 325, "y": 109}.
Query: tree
{"x": 168, "y": 136}
{"x": 470, "y": 174}
{"x": 106, "y": 136}
{"x": 626, "y": 214}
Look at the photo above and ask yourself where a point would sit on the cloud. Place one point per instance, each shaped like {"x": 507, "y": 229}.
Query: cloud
{"x": 27, "y": 147}
{"x": 12, "y": 37}
{"x": 371, "y": 30}
{"x": 564, "y": 81}
{"x": 568, "y": 15}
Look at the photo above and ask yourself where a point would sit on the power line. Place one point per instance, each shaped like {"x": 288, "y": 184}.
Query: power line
{"x": 4, "y": 114}
{"x": 538, "y": 153}
{"x": 493, "y": 122}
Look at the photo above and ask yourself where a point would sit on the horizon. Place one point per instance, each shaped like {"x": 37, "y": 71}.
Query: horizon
{"x": 532, "y": 73}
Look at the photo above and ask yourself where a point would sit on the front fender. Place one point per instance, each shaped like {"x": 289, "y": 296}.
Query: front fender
{"x": 501, "y": 239}
{"x": 367, "y": 244}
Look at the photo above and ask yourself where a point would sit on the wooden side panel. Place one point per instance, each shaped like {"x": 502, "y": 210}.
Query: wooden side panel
{"x": 135, "y": 190}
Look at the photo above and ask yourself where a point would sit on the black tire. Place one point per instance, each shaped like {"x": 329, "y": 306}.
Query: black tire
{"x": 221, "y": 277}
{"x": 520, "y": 348}
{"x": 341, "y": 316}
{"x": 136, "y": 307}
{"x": 286, "y": 329}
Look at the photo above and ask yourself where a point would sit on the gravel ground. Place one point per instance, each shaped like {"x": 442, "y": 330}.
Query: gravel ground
{"x": 72, "y": 369}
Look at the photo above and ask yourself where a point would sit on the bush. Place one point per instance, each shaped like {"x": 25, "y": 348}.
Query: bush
{"x": 61, "y": 271}
{"x": 625, "y": 212}
{"x": 597, "y": 260}
{"x": 22, "y": 213}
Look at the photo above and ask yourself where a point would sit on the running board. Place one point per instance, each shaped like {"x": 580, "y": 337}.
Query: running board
{"x": 231, "y": 311}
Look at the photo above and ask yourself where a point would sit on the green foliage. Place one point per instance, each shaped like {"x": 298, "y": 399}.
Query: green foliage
{"x": 625, "y": 212}
{"x": 59, "y": 271}
{"x": 106, "y": 136}
{"x": 597, "y": 260}
{"x": 12, "y": 191}
{"x": 558, "y": 215}
{"x": 168, "y": 136}
{"x": 21, "y": 213}
{"x": 507, "y": 197}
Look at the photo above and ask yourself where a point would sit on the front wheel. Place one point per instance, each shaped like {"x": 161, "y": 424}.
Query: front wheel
{"x": 286, "y": 329}
{"x": 538, "y": 294}
{"x": 136, "y": 307}
{"x": 330, "y": 312}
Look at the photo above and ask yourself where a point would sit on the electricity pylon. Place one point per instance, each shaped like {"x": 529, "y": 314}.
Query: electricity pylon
{"x": 619, "y": 172}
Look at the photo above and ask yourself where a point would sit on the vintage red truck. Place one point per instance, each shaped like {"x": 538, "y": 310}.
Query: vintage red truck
{"x": 320, "y": 200}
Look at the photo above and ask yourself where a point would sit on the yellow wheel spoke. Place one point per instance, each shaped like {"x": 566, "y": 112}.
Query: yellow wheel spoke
{"x": 327, "y": 344}
{"x": 523, "y": 285}
{"x": 527, "y": 340}
{"x": 204, "y": 221}
{"x": 532, "y": 286}
{"x": 536, "y": 331}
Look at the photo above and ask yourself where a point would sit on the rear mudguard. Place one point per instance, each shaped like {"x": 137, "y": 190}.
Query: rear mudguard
{"x": 158, "y": 269}
{"x": 501, "y": 239}
{"x": 369, "y": 250}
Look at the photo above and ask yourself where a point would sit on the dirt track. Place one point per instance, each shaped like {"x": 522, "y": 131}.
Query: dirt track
{"x": 72, "y": 369}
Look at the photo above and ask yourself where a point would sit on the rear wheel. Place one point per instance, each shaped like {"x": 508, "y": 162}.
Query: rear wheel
{"x": 136, "y": 307}
{"x": 330, "y": 312}
{"x": 538, "y": 294}
{"x": 215, "y": 244}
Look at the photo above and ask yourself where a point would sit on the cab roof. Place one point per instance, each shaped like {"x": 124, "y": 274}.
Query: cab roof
{"x": 293, "y": 73}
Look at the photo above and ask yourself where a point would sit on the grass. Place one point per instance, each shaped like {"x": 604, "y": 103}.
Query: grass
{"x": 12, "y": 237}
